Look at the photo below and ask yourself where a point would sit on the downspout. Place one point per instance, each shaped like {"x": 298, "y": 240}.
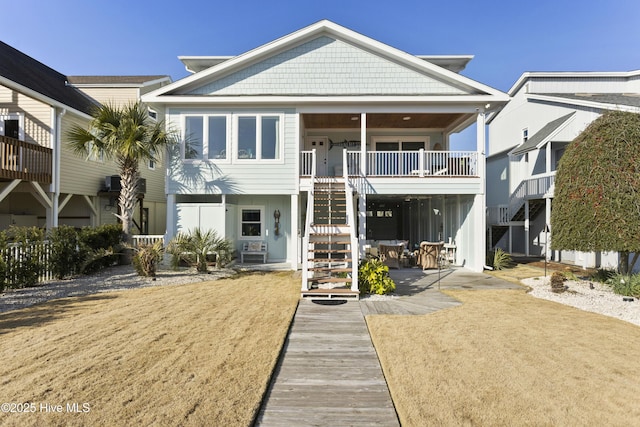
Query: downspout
{"x": 55, "y": 170}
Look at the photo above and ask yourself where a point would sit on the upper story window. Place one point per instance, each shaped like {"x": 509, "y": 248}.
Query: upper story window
{"x": 93, "y": 155}
{"x": 525, "y": 134}
{"x": 152, "y": 162}
{"x": 258, "y": 137}
{"x": 206, "y": 137}
{"x": 153, "y": 114}
{"x": 12, "y": 125}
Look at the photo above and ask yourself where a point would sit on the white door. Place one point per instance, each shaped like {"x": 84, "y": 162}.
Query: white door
{"x": 321, "y": 145}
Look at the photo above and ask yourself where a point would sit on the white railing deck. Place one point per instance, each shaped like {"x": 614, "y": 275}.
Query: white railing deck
{"x": 405, "y": 163}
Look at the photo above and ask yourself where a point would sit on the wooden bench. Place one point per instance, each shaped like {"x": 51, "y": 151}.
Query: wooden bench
{"x": 254, "y": 248}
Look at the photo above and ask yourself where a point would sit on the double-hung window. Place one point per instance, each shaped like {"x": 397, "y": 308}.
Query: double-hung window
{"x": 258, "y": 136}
{"x": 251, "y": 222}
{"x": 206, "y": 137}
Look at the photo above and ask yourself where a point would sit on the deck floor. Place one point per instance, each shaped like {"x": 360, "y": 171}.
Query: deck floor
{"x": 330, "y": 374}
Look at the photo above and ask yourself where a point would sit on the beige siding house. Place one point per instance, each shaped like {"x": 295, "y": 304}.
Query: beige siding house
{"x": 42, "y": 183}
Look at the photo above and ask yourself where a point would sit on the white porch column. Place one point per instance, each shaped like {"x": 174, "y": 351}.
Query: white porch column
{"x": 481, "y": 199}
{"x": 526, "y": 227}
{"x": 547, "y": 153}
{"x": 293, "y": 235}
{"x": 363, "y": 144}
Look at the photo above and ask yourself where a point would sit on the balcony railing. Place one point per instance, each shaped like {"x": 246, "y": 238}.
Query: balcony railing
{"x": 23, "y": 160}
{"x": 406, "y": 163}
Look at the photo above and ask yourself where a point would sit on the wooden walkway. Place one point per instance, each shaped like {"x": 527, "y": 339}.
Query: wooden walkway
{"x": 330, "y": 374}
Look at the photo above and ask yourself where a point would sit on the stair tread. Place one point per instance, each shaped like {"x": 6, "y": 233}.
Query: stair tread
{"x": 329, "y": 279}
{"x": 331, "y": 269}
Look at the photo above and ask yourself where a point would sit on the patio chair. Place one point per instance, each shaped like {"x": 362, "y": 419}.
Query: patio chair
{"x": 390, "y": 255}
{"x": 429, "y": 254}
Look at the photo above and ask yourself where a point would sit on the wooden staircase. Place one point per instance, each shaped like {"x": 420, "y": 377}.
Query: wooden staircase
{"x": 330, "y": 243}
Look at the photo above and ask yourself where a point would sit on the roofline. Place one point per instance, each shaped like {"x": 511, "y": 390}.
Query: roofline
{"x": 584, "y": 103}
{"x": 40, "y": 97}
{"x": 343, "y": 33}
{"x": 471, "y": 100}
{"x": 127, "y": 85}
{"x": 568, "y": 74}
{"x": 548, "y": 137}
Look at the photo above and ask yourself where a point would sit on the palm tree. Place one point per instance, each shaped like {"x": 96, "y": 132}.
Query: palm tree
{"x": 129, "y": 136}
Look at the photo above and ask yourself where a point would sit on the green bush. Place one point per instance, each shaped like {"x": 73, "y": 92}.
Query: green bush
{"x": 196, "y": 248}
{"x": 65, "y": 257}
{"x": 602, "y": 275}
{"x": 627, "y": 285}
{"x": 146, "y": 258}
{"x": 26, "y": 268}
{"x": 373, "y": 278}
{"x": 499, "y": 259}
{"x": 101, "y": 247}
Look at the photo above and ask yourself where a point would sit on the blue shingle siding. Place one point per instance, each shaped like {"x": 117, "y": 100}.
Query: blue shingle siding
{"x": 326, "y": 66}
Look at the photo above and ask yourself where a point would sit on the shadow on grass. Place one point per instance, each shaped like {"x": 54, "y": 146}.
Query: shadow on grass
{"x": 43, "y": 313}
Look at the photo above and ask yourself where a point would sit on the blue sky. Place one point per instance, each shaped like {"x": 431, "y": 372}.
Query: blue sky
{"x": 507, "y": 37}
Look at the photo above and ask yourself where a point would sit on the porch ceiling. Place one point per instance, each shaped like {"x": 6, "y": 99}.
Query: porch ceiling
{"x": 382, "y": 121}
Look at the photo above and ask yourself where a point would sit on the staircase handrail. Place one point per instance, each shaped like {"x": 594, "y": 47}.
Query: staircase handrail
{"x": 355, "y": 249}
{"x": 524, "y": 190}
{"x": 307, "y": 225}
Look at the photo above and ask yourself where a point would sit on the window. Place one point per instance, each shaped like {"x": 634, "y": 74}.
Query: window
{"x": 193, "y": 137}
{"x": 12, "y": 125}
{"x": 525, "y": 134}
{"x": 153, "y": 114}
{"x": 152, "y": 162}
{"x": 205, "y": 137}
{"x": 258, "y": 137}
{"x": 251, "y": 222}
{"x": 93, "y": 155}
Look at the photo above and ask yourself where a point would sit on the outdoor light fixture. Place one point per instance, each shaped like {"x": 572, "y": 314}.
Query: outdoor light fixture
{"x": 276, "y": 217}
{"x": 406, "y": 118}
{"x": 354, "y": 118}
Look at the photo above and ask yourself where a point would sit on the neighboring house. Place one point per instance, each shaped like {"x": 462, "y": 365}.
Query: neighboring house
{"x": 323, "y": 143}
{"x": 42, "y": 182}
{"x": 151, "y": 212}
{"x": 527, "y": 139}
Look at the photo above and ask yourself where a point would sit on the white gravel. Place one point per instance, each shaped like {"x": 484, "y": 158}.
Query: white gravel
{"x": 579, "y": 294}
{"x": 111, "y": 279}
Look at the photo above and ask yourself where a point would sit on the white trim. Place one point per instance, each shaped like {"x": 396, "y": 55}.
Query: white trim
{"x": 13, "y": 116}
{"x": 583, "y": 103}
{"x": 569, "y": 75}
{"x": 40, "y": 97}
{"x": 262, "y": 235}
{"x": 205, "y": 137}
{"x": 447, "y": 100}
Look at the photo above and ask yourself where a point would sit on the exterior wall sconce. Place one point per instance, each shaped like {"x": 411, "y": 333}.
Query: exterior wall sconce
{"x": 276, "y": 217}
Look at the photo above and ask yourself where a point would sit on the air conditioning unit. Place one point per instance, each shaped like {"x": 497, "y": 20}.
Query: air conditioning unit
{"x": 112, "y": 183}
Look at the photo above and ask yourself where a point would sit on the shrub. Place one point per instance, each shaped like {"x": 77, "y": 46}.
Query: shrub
{"x": 26, "y": 267}
{"x": 65, "y": 257}
{"x": 146, "y": 258}
{"x": 499, "y": 259}
{"x": 196, "y": 246}
{"x": 373, "y": 278}
{"x": 101, "y": 247}
{"x": 627, "y": 285}
{"x": 557, "y": 282}
{"x": 602, "y": 275}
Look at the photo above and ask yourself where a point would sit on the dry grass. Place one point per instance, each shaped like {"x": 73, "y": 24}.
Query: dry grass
{"x": 198, "y": 354}
{"x": 506, "y": 358}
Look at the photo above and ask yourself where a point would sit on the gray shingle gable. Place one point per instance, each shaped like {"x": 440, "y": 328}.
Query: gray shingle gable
{"x": 541, "y": 135}
{"x": 327, "y": 66}
{"x": 632, "y": 100}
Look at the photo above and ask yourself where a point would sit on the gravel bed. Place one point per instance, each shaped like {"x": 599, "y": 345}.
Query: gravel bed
{"x": 111, "y": 279}
{"x": 579, "y": 294}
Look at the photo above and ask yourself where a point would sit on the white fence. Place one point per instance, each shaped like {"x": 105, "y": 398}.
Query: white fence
{"x": 19, "y": 259}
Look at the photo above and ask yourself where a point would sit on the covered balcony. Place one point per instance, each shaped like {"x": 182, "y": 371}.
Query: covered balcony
{"x": 25, "y": 161}
{"x": 386, "y": 145}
